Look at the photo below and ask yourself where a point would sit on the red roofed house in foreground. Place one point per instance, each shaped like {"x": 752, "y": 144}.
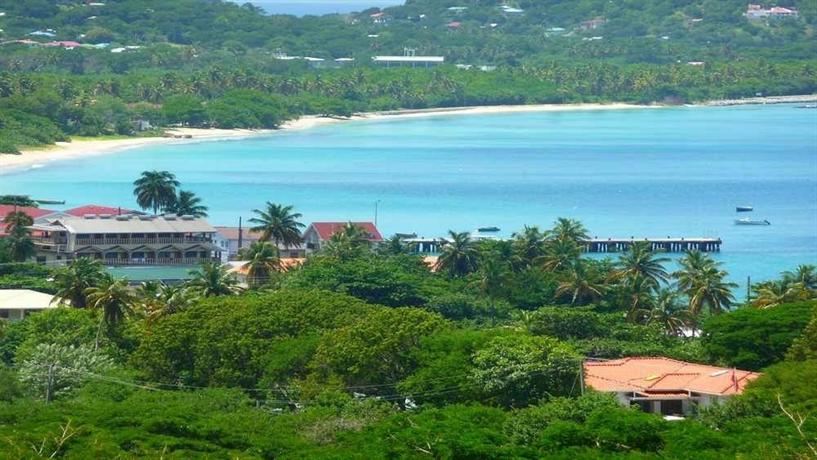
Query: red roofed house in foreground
{"x": 34, "y": 213}
{"x": 318, "y": 233}
{"x": 663, "y": 385}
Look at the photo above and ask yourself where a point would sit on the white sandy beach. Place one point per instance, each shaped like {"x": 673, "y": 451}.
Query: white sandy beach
{"x": 86, "y": 148}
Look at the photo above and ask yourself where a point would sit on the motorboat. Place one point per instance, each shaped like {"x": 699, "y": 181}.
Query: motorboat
{"x": 747, "y": 221}
{"x": 488, "y": 229}
{"x": 744, "y": 209}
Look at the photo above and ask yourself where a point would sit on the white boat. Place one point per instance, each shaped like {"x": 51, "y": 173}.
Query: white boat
{"x": 748, "y": 221}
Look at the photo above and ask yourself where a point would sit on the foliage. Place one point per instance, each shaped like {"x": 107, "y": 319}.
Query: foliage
{"x": 753, "y": 339}
{"x": 51, "y": 370}
{"x": 156, "y": 190}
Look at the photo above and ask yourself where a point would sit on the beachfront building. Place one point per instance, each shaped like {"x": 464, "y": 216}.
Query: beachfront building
{"x": 409, "y": 58}
{"x": 319, "y": 233}
{"x": 16, "y": 304}
{"x": 230, "y": 240}
{"x": 126, "y": 239}
{"x": 755, "y": 12}
{"x": 663, "y": 385}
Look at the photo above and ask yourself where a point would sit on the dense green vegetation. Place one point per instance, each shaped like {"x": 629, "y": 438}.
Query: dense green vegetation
{"x": 366, "y": 352}
{"x": 213, "y": 63}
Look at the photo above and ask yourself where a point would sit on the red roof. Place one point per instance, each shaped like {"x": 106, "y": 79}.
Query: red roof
{"x": 96, "y": 209}
{"x": 325, "y": 230}
{"x": 454, "y": 24}
{"x": 34, "y": 213}
{"x": 650, "y": 376}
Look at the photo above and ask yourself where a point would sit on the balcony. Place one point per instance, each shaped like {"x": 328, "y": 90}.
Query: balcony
{"x": 146, "y": 240}
{"x": 157, "y": 261}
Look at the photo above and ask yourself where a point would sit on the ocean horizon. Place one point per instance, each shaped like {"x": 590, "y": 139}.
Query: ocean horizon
{"x": 676, "y": 172}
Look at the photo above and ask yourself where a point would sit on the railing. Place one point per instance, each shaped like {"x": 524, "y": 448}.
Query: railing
{"x": 168, "y": 240}
{"x": 158, "y": 261}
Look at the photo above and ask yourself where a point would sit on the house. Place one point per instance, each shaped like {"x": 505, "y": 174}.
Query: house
{"x": 16, "y": 304}
{"x": 755, "y": 12}
{"x": 126, "y": 239}
{"x": 592, "y": 24}
{"x": 379, "y": 18}
{"x": 663, "y": 385}
{"x": 34, "y": 213}
{"x": 511, "y": 11}
{"x": 228, "y": 238}
{"x": 453, "y": 25}
{"x": 69, "y": 45}
{"x": 318, "y": 233}
{"x": 412, "y": 61}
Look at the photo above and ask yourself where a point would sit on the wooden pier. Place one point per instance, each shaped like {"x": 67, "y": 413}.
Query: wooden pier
{"x": 656, "y": 244}
{"x": 600, "y": 245}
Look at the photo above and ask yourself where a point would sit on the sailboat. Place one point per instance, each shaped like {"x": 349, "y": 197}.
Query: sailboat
{"x": 748, "y": 221}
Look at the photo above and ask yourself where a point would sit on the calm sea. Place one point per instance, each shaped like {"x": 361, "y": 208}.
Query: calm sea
{"x": 308, "y": 7}
{"x": 643, "y": 173}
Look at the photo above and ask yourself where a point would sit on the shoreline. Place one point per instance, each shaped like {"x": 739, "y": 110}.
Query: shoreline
{"x": 39, "y": 157}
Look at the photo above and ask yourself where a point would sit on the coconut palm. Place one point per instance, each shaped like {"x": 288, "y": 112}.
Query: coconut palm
{"x": 212, "y": 279}
{"x": 529, "y": 245}
{"x": 668, "y": 312}
{"x": 459, "y": 255}
{"x": 113, "y": 298}
{"x": 160, "y": 300}
{"x": 73, "y": 280}
{"x": 640, "y": 263}
{"x": 277, "y": 223}
{"x": 18, "y": 244}
{"x": 803, "y": 274}
{"x": 565, "y": 229}
{"x": 580, "y": 285}
{"x": 155, "y": 189}
{"x": 560, "y": 255}
{"x": 187, "y": 204}
{"x": 393, "y": 246}
{"x": 17, "y": 219}
{"x": 639, "y": 294}
{"x": 710, "y": 290}
{"x": 773, "y": 293}
{"x": 492, "y": 275}
{"x": 262, "y": 260}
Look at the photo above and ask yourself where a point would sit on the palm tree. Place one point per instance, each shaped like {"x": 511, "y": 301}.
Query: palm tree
{"x": 73, "y": 281}
{"x": 529, "y": 245}
{"x": 560, "y": 255}
{"x": 804, "y": 274}
{"x": 668, "y": 312}
{"x": 641, "y": 263}
{"x": 212, "y": 279}
{"x": 459, "y": 255}
{"x": 19, "y": 245}
{"x": 187, "y": 204}
{"x": 569, "y": 230}
{"x": 279, "y": 224}
{"x": 17, "y": 219}
{"x": 155, "y": 189}
{"x": 639, "y": 294}
{"x": 692, "y": 265}
{"x": 113, "y": 297}
{"x": 708, "y": 289}
{"x": 262, "y": 260}
{"x": 773, "y": 293}
{"x": 492, "y": 275}
{"x": 393, "y": 246}
{"x": 580, "y": 285}
{"x": 160, "y": 300}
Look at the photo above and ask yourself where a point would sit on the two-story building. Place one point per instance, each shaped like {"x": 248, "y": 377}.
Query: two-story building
{"x": 319, "y": 233}
{"x": 230, "y": 240}
{"x": 126, "y": 239}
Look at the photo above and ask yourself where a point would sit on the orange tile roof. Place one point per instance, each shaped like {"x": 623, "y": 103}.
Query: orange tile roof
{"x": 664, "y": 375}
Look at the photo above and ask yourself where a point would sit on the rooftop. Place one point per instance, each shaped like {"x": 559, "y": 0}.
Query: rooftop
{"x": 24, "y": 299}
{"x": 107, "y": 224}
{"x": 439, "y": 59}
{"x": 655, "y": 375}
{"x": 97, "y": 209}
{"x": 325, "y": 230}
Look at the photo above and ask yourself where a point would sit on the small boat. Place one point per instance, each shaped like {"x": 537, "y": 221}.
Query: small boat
{"x": 744, "y": 209}
{"x": 807, "y": 106}
{"x": 488, "y": 229}
{"x": 747, "y": 221}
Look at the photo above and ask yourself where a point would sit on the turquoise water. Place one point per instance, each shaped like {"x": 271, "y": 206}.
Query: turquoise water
{"x": 646, "y": 172}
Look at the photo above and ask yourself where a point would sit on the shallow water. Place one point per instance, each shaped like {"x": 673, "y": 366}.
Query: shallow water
{"x": 646, "y": 172}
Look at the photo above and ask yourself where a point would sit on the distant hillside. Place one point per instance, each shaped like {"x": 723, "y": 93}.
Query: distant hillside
{"x": 465, "y": 31}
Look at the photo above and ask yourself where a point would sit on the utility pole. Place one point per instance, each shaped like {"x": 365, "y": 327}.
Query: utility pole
{"x": 49, "y": 384}
{"x": 375, "y": 212}
{"x": 748, "y": 289}
{"x": 240, "y": 234}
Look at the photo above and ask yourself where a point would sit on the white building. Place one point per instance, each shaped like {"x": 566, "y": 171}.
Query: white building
{"x": 411, "y": 61}
{"x": 16, "y": 304}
